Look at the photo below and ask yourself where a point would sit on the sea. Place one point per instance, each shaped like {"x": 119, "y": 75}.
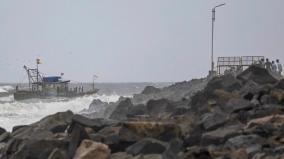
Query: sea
{"x": 14, "y": 113}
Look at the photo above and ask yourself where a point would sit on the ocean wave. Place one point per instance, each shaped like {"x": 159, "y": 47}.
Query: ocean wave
{"x": 14, "y": 113}
{"x": 6, "y": 88}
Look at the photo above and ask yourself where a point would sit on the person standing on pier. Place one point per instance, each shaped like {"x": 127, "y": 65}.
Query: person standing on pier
{"x": 279, "y": 66}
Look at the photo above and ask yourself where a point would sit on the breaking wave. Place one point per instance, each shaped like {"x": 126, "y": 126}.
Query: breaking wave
{"x": 14, "y": 113}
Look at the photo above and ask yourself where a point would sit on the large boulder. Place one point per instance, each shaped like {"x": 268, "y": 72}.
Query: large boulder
{"x": 2, "y": 130}
{"x": 226, "y": 82}
{"x": 4, "y": 137}
{"x": 265, "y": 110}
{"x": 164, "y": 131}
{"x": 235, "y": 105}
{"x": 147, "y": 146}
{"x": 89, "y": 149}
{"x": 34, "y": 148}
{"x": 258, "y": 74}
{"x": 220, "y": 89}
{"x": 275, "y": 120}
{"x": 121, "y": 136}
{"x": 277, "y": 95}
{"x": 160, "y": 108}
{"x": 280, "y": 84}
{"x": 221, "y": 135}
{"x": 121, "y": 110}
{"x": 117, "y": 138}
{"x": 137, "y": 110}
{"x": 162, "y": 150}
{"x": 55, "y": 123}
{"x": 96, "y": 124}
{"x": 175, "y": 92}
{"x": 96, "y": 106}
{"x": 211, "y": 121}
{"x": 150, "y": 90}
{"x": 121, "y": 155}
{"x": 77, "y": 134}
{"x": 244, "y": 141}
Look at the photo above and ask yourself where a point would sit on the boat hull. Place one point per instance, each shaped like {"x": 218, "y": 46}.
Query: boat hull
{"x": 23, "y": 95}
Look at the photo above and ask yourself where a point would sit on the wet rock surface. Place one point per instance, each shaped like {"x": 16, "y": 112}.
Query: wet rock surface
{"x": 225, "y": 117}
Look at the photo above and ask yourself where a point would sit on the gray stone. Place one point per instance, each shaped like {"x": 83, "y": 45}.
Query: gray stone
{"x": 244, "y": 141}
{"x": 220, "y": 135}
{"x": 120, "y": 112}
{"x": 96, "y": 124}
{"x": 211, "y": 121}
{"x": 4, "y": 137}
{"x": 147, "y": 146}
{"x": 235, "y": 105}
{"x": 2, "y": 130}
{"x": 258, "y": 75}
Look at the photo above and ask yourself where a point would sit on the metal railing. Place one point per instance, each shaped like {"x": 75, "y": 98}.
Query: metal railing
{"x": 236, "y": 63}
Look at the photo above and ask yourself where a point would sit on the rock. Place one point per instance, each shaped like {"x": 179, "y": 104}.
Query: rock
{"x": 97, "y": 106}
{"x": 2, "y": 130}
{"x": 77, "y": 134}
{"x": 265, "y": 99}
{"x": 137, "y": 110}
{"x": 266, "y": 110}
{"x": 211, "y": 121}
{"x": 219, "y": 87}
{"x": 218, "y": 97}
{"x": 150, "y": 90}
{"x": 159, "y": 108}
{"x": 120, "y": 112}
{"x": 57, "y": 154}
{"x": 225, "y": 82}
{"x": 235, "y": 105}
{"x": 220, "y": 135}
{"x": 278, "y": 96}
{"x": 239, "y": 154}
{"x": 121, "y": 155}
{"x": 36, "y": 148}
{"x": 4, "y": 137}
{"x": 280, "y": 84}
{"x": 96, "y": 124}
{"x": 117, "y": 138}
{"x": 45, "y": 127}
{"x": 147, "y": 146}
{"x": 197, "y": 153}
{"x": 92, "y": 150}
{"x": 151, "y": 156}
{"x": 279, "y": 150}
{"x": 276, "y": 120}
{"x": 164, "y": 131}
{"x": 173, "y": 150}
{"x": 15, "y": 128}
{"x": 175, "y": 92}
{"x": 252, "y": 150}
{"x": 194, "y": 137}
{"x": 244, "y": 141}
{"x": 258, "y": 75}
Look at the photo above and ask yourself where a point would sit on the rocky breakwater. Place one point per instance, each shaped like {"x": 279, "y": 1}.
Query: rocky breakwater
{"x": 229, "y": 118}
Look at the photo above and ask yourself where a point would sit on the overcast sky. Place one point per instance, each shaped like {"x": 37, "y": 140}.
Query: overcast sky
{"x": 133, "y": 40}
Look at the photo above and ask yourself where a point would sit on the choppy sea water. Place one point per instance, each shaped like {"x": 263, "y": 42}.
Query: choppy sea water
{"x": 13, "y": 113}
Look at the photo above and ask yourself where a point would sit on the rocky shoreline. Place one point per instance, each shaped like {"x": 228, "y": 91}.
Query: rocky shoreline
{"x": 226, "y": 117}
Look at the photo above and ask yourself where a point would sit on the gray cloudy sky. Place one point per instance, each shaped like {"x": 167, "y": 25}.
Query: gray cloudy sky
{"x": 133, "y": 40}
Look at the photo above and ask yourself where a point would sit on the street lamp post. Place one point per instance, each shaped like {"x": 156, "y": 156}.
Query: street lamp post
{"x": 212, "y": 45}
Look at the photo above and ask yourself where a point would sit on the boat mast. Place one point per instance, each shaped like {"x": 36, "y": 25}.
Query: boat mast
{"x": 37, "y": 73}
{"x": 29, "y": 76}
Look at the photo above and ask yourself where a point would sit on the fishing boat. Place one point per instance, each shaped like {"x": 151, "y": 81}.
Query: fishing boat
{"x": 48, "y": 86}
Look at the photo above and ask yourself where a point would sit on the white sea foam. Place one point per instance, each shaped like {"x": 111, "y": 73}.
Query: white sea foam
{"x": 14, "y": 113}
{"x": 5, "y": 89}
